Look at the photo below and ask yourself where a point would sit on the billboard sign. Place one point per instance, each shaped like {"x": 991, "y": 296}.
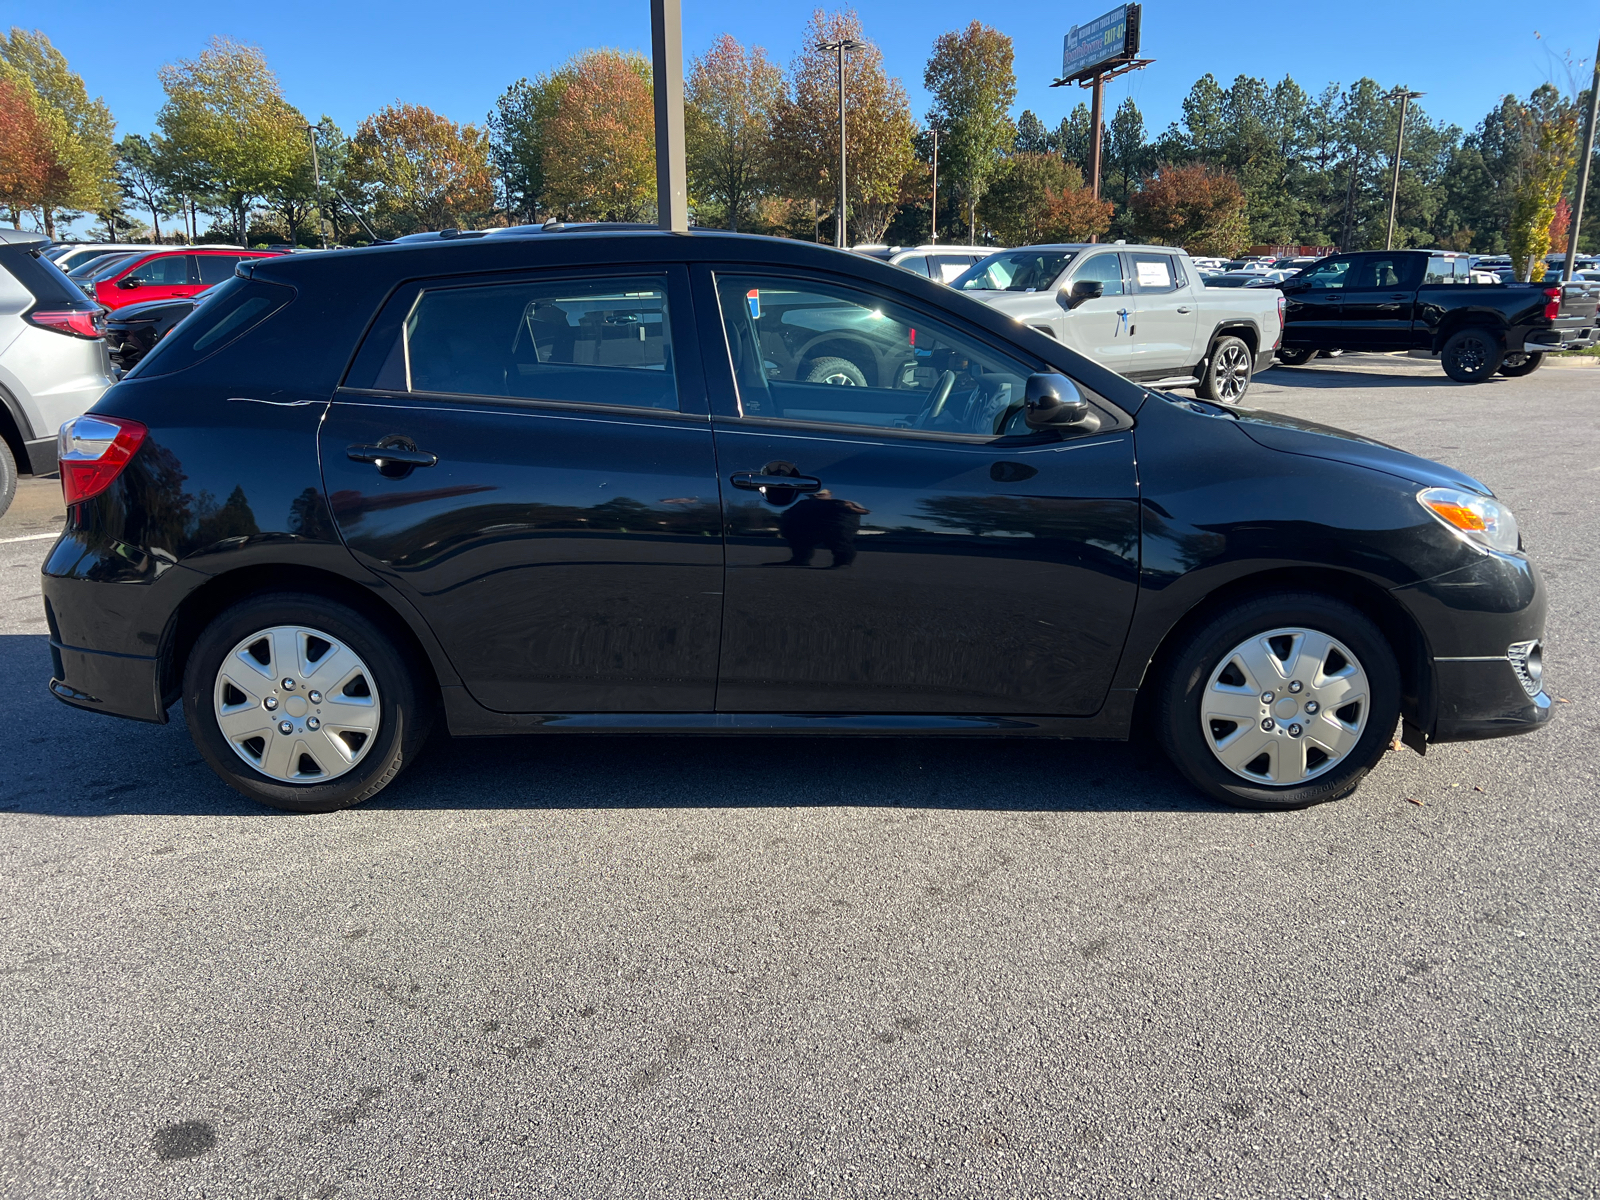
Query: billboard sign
{"x": 1103, "y": 42}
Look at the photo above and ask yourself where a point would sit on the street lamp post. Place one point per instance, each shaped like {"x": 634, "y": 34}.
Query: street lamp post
{"x": 934, "y": 237}
{"x": 1406, "y": 97}
{"x": 1570, "y": 263}
{"x": 841, "y": 48}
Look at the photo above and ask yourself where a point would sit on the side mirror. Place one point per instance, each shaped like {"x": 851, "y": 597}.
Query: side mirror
{"x": 1052, "y": 402}
{"x": 132, "y": 281}
{"x": 1084, "y": 289}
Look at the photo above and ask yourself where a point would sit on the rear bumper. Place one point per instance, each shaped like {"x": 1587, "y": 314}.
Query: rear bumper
{"x": 119, "y": 685}
{"x": 1263, "y": 360}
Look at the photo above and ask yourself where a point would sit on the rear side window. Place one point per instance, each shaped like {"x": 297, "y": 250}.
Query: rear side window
{"x": 43, "y": 279}
{"x": 585, "y": 341}
{"x": 216, "y": 268}
{"x": 226, "y": 315}
{"x": 1154, "y": 273}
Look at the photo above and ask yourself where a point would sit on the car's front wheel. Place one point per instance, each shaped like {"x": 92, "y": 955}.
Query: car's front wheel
{"x": 1281, "y": 702}
{"x": 1227, "y": 375}
{"x": 8, "y": 477}
{"x": 302, "y": 703}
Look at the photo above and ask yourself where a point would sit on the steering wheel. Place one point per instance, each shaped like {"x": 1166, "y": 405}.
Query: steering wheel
{"x": 936, "y": 399}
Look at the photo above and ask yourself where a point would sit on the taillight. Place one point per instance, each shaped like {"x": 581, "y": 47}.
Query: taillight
{"x": 1283, "y": 306}
{"x": 1552, "y": 303}
{"x": 92, "y": 452}
{"x": 72, "y": 322}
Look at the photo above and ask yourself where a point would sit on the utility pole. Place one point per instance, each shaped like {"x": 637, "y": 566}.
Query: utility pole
{"x": 1584, "y": 163}
{"x": 666, "y": 55}
{"x": 934, "y": 236}
{"x": 841, "y": 48}
{"x": 316, "y": 175}
{"x": 1406, "y": 97}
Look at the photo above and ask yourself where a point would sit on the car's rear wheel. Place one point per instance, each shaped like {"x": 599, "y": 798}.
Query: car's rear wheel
{"x": 1517, "y": 363}
{"x": 8, "y": 477}
{"x": 303, "y": 703}
{"x": 1279, "y": 703}
{"x": 1227, "y": 375}
{"x": 1294, "y": 357}
{"x": 1471, "y": 355}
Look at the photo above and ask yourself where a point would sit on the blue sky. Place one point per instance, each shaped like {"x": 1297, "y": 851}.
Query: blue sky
{"x": 347, "y": 60}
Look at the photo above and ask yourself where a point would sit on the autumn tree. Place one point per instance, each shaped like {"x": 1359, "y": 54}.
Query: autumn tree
{"x": 228, "y": 129}
{"x": 731, "y": 99}
{"x": 1549, "y": 127}
{"x": 878, "y": 127}
{"x": 973, "y": 83}
{"x": 1017, "y": 203}
{"x": 28, "y": 164}
{"x": 1198, "y": 207}
{"x": 424, "y": 170}
{"x": 82, "y": 176}
{"x": 599, "y": 160}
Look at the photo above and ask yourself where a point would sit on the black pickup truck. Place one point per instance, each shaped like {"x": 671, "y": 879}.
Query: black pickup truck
{"x": 1425, "y": 302}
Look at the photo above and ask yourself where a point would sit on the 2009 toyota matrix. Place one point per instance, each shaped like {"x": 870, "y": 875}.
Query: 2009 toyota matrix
{"x": 617, "y": 482}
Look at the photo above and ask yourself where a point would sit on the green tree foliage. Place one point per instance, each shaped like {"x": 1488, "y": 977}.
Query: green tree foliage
{"x": 82, "y": 175}
{"x": 974, "y": 85}
{"x": 1042, "y": 198}
{"x": 1548, "y": 125}
{"x": 878, "y": 124}
{"x": 423, "y": 170}
{"x": 1032, "y": 136}
{"x": 140, "y": 177}
{"x": 731, "y": 99}
{"x": 1072, "y": 137}
{"x": 519, "y": 128}
{"x": 229, "y": 132}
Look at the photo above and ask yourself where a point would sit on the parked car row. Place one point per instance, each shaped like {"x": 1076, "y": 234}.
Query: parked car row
{"x": 627, "y": 481}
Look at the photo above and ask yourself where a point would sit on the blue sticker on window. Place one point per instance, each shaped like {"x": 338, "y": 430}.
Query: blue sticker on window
{"x": 754, "y": 297}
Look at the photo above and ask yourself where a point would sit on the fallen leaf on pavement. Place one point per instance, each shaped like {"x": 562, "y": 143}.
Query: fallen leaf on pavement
{"x": 1415, "y": 801}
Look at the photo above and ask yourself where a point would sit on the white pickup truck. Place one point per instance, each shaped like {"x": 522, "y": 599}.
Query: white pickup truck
{"x": 1142, "y": 311}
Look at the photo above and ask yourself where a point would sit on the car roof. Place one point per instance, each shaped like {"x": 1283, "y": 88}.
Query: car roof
{"x": 22, "y": 237}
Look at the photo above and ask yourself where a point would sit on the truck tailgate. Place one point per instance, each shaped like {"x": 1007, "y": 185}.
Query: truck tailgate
{"x": 1580, "y": 299}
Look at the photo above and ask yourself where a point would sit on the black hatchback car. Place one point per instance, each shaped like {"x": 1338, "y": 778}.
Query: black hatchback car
{"x": 633, "y": 482}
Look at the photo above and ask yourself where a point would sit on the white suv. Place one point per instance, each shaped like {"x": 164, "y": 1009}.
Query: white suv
{"x": 53, "y": 360}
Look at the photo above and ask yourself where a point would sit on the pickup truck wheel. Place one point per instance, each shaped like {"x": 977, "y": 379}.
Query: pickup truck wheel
{"x": 838, "y": 371}
{"x": 8, "y": 477}
{"x": 1294, "y": 358}
{"x": 1471, "y": 355}
{"x": 1517, "y": 363}
{"x": 1227, "y": 375}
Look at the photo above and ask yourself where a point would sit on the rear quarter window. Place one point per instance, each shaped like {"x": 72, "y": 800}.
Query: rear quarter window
{"x": 228, "y": 313}
{"x": 43, "y": 279}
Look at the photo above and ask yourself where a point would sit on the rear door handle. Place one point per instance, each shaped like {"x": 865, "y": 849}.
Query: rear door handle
{"x": 387, "y": 456}
{"x": 754, "y": 481}
{"x": 1183, "y": 308}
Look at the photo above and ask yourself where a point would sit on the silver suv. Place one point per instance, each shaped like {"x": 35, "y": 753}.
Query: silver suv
{"x": 53, "y": 360}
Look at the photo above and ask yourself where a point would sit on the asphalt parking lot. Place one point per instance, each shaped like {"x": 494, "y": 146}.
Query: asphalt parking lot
{"x": 772, "y": 968}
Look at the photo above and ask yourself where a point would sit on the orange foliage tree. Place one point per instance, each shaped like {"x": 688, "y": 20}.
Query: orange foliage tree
{"x": 29, "y": 168}
{"x": 1038, "y": 197}
{"x": 600, "y": 147}
{"x": 1198, "y": 207}
{"x": 424, "y": 170}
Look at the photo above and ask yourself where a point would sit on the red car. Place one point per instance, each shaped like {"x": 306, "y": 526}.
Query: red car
{"x": 165, "y": 274}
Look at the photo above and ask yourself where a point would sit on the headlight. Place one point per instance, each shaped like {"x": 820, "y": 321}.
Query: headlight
{"x": 1479, "y": 519}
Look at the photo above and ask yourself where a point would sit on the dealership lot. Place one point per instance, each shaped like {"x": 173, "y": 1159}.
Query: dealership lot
{"x": 770, "y": 968}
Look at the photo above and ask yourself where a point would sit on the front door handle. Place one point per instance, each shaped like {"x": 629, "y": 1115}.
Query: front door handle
{"x": 389, "y": 459}
{"x": 1183, "y": 308}
{"x": 754, "y": 481}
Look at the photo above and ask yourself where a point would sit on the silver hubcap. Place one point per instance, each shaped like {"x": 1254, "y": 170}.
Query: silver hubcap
{"x": 840, "y": 379}
{"x": 1233, "y": 373}
{"x": 1514, "y": 360}
{"x": 1285, "y": 706}
{"x": 296, "y": 704}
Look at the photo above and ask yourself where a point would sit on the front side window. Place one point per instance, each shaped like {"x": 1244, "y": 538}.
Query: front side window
{"x": 169, "y": 271}
{"x": 1104, "y": 269}
{"x": 1015, "y": 271}
{"x": 829, "y": 354}
{"x": 1327, "y": 275}
{"x": 587, "y": 341}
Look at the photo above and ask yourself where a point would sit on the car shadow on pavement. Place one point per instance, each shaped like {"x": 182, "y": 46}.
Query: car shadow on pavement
{"x": 1333, "y": 377}
{"x": 64, "y": 762}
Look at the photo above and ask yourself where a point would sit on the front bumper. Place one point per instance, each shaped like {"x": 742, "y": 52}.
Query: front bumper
{"x": 1482, "y": 698}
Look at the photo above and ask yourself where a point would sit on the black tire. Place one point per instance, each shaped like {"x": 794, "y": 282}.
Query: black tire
{"x": 1203, "y": 653}
{"x": 1294, "y": 357}
{"x": 405, "y": 704}
{"x": 1471, "y": 355}
{"x": 1517, "y": 364}
{"x": 8, "y": 477}
{"x": 1226, "y": 378}
{"x": 839, "y": 371}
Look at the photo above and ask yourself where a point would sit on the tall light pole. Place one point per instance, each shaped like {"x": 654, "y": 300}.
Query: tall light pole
{"x": 316, "y": 175}
{"x": 841, "y": 48}
{"x": 1571, "y": 263}
{"x": 1406, "y": 97}
{"x": 934, "y": 238}
{"x": 666, "y": 61}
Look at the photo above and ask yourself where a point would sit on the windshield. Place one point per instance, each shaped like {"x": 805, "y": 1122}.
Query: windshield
{"x": 1016, "y": 271}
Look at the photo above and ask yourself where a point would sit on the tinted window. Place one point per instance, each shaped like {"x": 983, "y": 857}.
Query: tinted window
{"x": 587, "y": 341}
{"x": 1015, "y": 271}
{"x": 93, "y": 266}
{"x": 1154, "y": 272}
{"x": 214, "y": 268}
{"x": 1105, "y": 269}
{"x": 42, "y": 278}
{"x": 1329, "y": 274}
{"x": 230, "y": 311}
{"x": 917, "y": 263}
{"x": 171, "y": 270}
{"x": 830, "y": 354}
{"x": 1378, "y": 272}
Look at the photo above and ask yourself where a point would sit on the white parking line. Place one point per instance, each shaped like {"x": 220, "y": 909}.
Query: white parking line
{"x": 32, "y": 537}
